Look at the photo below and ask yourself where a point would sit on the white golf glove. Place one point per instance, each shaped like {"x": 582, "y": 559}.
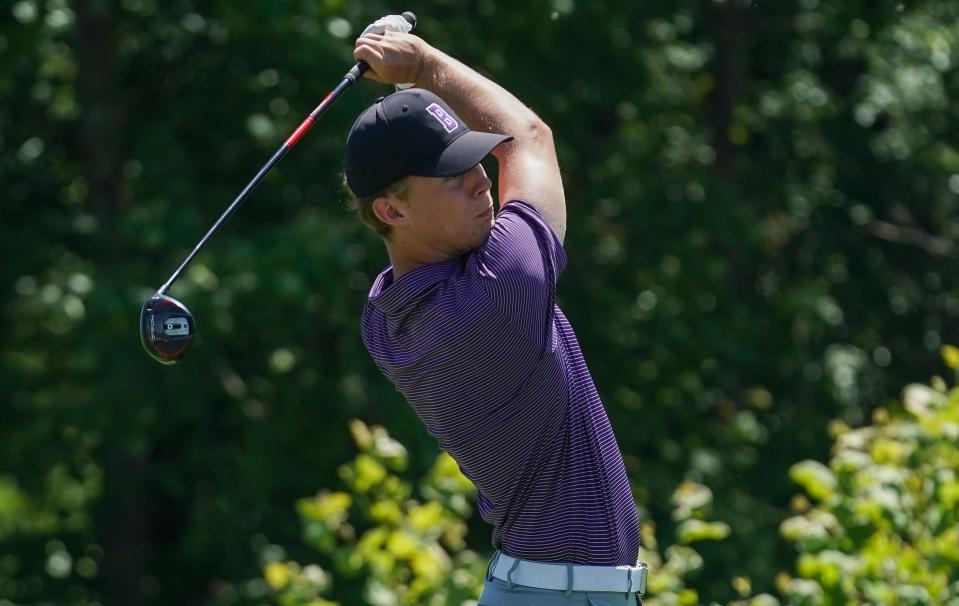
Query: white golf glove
{"x": 390, "y": 23}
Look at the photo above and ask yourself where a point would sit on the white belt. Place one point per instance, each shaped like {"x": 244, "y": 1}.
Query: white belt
{"x": 575, "y": 577}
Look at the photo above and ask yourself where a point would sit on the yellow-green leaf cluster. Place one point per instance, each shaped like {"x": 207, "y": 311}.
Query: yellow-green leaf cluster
{"x": 406, "y": 550}
{"x": 886, "y": 528}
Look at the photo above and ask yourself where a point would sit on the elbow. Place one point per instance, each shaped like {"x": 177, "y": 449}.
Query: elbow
{"x": 535, "y": 132}
{"x": 541, "y": 130}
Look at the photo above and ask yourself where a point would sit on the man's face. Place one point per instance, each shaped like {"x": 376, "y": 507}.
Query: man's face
{"x": 449, "y": 214}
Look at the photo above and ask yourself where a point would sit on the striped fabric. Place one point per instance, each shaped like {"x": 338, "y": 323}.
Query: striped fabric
{"x": 491, "y": 366}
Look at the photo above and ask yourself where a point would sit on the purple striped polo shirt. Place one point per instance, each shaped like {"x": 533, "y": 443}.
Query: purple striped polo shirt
{"x": 491, "y": 366}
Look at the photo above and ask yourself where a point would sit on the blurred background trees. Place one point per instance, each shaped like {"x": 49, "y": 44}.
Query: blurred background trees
{"x": 762, "y": 254}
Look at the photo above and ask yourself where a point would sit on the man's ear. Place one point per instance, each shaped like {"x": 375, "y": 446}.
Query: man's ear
{"x": 388, "y": 210}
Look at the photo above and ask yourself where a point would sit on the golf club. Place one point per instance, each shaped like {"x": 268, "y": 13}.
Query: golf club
{"x": 167, "y": 327}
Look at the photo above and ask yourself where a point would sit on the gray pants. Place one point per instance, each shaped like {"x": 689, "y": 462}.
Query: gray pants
{"x": 497, "y": 592}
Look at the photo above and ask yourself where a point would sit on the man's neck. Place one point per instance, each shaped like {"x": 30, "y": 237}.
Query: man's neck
{"x": 405, "y": 259}
{"x": 402, "y": 266}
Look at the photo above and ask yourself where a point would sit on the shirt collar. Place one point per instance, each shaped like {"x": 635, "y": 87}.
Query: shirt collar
{"x": 393, "y": 297}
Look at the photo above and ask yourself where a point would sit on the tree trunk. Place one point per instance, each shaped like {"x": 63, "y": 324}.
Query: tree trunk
{"x": 726, "y": 24}
{"x": 123, "y": 517}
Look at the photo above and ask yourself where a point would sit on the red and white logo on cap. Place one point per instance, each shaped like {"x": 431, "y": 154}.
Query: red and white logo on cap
{"x": 441, "y": 115}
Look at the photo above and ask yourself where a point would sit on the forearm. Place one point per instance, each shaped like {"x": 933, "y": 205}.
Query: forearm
{"x": 528, "y": 165}
{"x": 483, "y": 104}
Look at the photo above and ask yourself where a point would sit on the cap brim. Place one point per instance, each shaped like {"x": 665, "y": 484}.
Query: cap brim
{"x": 461, "y": 155}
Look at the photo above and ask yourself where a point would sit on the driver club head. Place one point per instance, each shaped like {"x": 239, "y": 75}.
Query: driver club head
{"x": 166, "y": 329}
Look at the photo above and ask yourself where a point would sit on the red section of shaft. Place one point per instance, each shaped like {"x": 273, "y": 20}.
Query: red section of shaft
{"x": 320, "y": 107}
{"x": 302, "y": 128}
{"x": 305, "y": 126}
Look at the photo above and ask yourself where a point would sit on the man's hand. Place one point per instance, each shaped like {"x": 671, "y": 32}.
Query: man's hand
{"x": 393, "y": 57}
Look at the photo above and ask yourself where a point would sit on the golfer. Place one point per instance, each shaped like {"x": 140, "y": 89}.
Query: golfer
{"x": 465, "y": 325}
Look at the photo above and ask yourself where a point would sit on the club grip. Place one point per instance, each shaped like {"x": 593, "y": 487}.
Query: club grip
{"x": 361, "y": 67}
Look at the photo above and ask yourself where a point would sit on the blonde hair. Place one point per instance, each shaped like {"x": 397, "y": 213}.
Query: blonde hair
{"x": 364, "y": 205}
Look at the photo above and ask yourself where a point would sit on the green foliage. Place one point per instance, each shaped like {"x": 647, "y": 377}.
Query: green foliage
{"x": 408, "y": 551}
{"x": 762, "y": 209}
{"x": 666, "y": 585}
{"x": 402, "y": 549}
{"x": 885, "y": 527}
{"x": 691, "y": 503}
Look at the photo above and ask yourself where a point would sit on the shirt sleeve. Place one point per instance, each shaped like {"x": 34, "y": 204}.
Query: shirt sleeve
{"x": 519, "y": 265}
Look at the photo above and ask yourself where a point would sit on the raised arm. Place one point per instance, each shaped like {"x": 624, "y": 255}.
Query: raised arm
{"x": 528, "y": 168}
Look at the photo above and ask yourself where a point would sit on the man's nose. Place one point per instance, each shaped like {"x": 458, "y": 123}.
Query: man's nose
{"x": 481, "y": 183}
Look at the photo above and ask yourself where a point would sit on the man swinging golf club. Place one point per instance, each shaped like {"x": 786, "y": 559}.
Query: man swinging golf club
{"x": 465, "y": 325}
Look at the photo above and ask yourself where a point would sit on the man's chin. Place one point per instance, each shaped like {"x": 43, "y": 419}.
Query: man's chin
{"x": 482, "y": 235}
{"x": 488, "y": 227}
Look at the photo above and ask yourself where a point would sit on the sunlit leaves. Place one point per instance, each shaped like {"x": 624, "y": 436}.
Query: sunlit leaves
{"x": 815, "y": 478}
{"x": 690, "y": 500}
{"x": 886, "y": 525}
{"x": 330, "y": 508}
{"x": 690, "y": 531}
{"x": 404, "y": 547}
{"x": 296, "y": 585}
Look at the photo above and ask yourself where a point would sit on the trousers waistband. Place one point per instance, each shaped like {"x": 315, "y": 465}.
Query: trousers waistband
{"x": 569, "y": 577}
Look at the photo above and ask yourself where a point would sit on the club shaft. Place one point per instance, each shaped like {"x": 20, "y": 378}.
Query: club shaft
{"x": 327, "y": 101}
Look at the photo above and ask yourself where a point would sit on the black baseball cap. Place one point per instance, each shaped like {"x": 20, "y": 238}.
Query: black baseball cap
{"x": 411, "y": 132}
